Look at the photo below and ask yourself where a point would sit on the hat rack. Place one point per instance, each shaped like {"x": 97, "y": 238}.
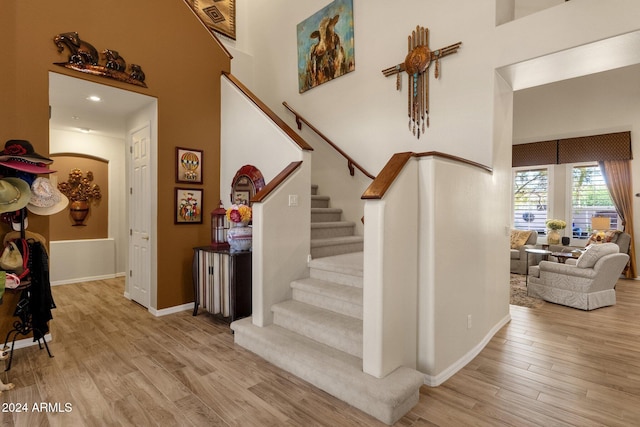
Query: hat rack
{"x": 22, "y": 164}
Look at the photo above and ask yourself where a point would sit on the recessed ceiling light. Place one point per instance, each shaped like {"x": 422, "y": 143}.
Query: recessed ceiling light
{"x": 75, "y": 117}
{"x": 94, "y": 98}
{"x": 84, "y": 130}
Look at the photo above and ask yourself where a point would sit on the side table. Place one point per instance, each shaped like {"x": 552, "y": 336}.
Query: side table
{"x": 222, "y": 282}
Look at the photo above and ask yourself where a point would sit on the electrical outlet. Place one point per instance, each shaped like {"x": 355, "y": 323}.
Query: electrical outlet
{"x": 293, "y": 200}
{"x": 468, "y": 321}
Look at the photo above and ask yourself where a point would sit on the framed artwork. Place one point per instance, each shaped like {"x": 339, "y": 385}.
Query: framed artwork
{"x": 188, "y": 205}
{"x": 188, "y": 165}
{"x": 216, "y": 15}
{"x": 325, "y": 45}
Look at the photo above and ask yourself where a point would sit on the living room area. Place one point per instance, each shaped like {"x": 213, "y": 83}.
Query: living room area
{"x": 562, "y": 132}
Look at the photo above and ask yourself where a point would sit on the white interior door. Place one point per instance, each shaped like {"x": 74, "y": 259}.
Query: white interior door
{"x": 140, "y": 222}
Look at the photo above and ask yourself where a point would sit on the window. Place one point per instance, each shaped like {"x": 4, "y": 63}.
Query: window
{"x": 590, "y": 197}
{"x": 530, "y": 199}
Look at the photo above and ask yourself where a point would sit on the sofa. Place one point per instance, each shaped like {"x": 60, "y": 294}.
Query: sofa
{"x": 587, "y": 285}
{"x": 520, "y": 241}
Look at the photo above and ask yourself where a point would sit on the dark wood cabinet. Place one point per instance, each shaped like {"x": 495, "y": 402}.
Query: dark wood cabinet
{"x": 222, "y": 282}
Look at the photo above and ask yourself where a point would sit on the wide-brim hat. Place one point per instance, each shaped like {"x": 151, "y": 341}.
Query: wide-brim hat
{"x": 46, "y": 199}
{"x": 21, "y": 164}
{"x": 14, "y": 194}
{"x": 22, "y": 149}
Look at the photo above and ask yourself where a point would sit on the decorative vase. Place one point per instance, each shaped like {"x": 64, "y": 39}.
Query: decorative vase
{"x": 79, "y": 211}
{"x": 553, "y": 237}
{"x": 240, "y": 237}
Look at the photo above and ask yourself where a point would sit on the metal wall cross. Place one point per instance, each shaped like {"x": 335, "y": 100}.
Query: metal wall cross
{"x": 416, "y": 64}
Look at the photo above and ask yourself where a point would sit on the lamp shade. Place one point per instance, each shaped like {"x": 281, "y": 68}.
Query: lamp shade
{"x": 600, "y": 223}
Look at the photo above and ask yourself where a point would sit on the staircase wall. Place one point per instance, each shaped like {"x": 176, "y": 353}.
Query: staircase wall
{"x": 281, "y": 242}
{"x": 390, "y": 293}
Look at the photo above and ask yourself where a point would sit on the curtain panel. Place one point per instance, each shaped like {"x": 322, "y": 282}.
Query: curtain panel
{"x": 617, "y": 176}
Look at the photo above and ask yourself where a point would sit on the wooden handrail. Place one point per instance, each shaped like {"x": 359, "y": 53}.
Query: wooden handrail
{"x": 266, "y": 110}
{"x": 350, "y": 162}
{"x": 392, "y": 169}
{"x": 275, "y": 182}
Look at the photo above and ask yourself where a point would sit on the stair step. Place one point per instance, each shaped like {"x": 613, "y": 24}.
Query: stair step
{"x": 323, "y": 230}
{"x": 336, "y": 246}
{"x": 336, "y": 330}
{"x": 341, "y": 299}
{"x": 319, "y": 201}
{"x": 326, "y": 214}
{"x": 344, "y": 269}
{"x": 333, "y": 371}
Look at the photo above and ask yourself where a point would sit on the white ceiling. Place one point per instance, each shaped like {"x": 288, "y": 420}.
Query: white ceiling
{"x": 71, "y": 110}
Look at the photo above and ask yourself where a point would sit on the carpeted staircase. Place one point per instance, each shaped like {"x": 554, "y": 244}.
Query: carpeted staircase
{"x": 317, "y": 335}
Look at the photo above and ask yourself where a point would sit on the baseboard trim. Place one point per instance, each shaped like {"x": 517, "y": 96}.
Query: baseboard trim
{"x": 86, "y": 279}
{"x": 171, "y": 310}
{"x": 434, "y": 381}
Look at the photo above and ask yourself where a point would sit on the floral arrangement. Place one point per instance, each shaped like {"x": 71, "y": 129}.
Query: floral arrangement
{"x": 239, "y": 213}
{"x": 556, "y": 224}
{"x": 79, "y": 187}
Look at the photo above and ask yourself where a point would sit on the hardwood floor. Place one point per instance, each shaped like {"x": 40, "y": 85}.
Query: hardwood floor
{"x": 116, "y": 365}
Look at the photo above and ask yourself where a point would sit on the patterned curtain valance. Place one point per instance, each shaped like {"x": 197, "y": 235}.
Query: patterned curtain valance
{"x": 535, "y": 153}
{"x": 610, "y": 146}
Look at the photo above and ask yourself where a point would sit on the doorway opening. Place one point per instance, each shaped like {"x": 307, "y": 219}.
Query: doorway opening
{"x": 98, "y": 121}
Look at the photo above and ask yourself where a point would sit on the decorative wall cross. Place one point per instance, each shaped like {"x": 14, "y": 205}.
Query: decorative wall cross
{"x": 416, "y": 64}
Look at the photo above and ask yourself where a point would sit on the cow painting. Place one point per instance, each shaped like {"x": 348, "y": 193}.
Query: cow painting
{"x": 325, "y": 45}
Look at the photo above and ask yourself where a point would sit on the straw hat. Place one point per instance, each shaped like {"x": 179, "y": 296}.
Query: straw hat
{"x": 14, "y": 194}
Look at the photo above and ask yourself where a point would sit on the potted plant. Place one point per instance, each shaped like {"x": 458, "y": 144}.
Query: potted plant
{"x": 82, "y": 192}
{"x": 553, "y": 230}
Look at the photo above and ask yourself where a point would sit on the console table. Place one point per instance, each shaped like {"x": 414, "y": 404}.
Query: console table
{"x": 222, "y": 282}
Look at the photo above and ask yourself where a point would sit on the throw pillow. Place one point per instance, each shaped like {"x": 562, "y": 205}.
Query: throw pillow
{"x": 593, "y": 253}
{"x": 605, "y": 236}
{"x": 519, "y": 238}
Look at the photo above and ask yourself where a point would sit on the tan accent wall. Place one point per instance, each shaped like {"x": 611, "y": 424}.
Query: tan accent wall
{"x": 182, "y": 63}
{"x": 96, "y": 225}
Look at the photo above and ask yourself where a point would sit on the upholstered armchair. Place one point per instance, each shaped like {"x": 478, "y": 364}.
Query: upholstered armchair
{"x": 587, "y": 285}
{"x": 521, "y": 240}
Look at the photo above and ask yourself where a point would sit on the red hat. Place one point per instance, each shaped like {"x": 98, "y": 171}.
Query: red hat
{"x": 24, "y": 150}
{"x": 23, "y": 165}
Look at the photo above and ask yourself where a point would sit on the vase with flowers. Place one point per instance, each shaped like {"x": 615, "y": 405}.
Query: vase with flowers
{"x": 553, "y": 230}
{"x": 81, "y": 192}
{"x": 240, "y": 234}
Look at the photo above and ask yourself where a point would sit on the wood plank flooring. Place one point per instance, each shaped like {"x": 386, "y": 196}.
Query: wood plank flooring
{"x": 116, "y": 365}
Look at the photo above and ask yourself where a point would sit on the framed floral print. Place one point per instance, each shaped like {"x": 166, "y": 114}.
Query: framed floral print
{"x": 188, "y": 205}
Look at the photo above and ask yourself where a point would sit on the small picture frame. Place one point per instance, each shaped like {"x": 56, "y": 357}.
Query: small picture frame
{"x": 189, "y": 165}
{"x": 188, "y": 205}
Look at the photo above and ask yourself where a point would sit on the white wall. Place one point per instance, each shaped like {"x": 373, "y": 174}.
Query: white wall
{"x": 107, "y": 260}
{"x": 249, "y": 137}
{"x": 471, "y": 117}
